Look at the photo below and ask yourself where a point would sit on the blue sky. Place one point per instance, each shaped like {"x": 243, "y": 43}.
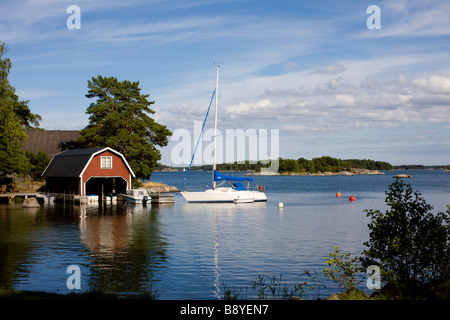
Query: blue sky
{"x": 312, "y": 70}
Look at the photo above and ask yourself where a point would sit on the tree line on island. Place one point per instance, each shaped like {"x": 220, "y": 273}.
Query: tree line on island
{"x": 330, "y": 164}
{"x": 300, "y": 166}
{"x": 304, "y": 166}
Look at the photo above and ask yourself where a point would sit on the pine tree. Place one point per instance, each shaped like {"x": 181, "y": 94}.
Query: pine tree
{"x": 119, "y": 119}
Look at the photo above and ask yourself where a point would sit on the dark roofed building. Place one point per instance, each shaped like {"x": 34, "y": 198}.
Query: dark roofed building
{"x": 69, "y": 163}
{"x": 88, "y": 171}
{"x": 50, "y": 142}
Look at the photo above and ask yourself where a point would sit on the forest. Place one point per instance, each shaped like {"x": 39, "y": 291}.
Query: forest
{"x": 301, "y": 165}
{"x": 330, "y": 164}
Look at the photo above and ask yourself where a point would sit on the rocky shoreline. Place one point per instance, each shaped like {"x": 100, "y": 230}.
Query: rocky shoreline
{"x": 162, "y": 189}
{"x": 353, "y": 172}
{"x": 156, "y": 187}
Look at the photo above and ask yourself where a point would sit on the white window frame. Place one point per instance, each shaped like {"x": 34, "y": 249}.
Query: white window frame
{"x": 106, "y": 162}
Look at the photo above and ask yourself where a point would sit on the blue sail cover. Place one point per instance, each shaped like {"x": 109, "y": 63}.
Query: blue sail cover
{"x": 221, "y": 177}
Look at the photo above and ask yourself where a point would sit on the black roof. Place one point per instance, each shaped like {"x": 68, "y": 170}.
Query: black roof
{"x": 78, "y": 152}
{"x": 69, "y": 163}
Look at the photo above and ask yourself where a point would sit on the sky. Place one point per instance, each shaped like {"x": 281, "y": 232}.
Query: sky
{"x": 315, "y": 75}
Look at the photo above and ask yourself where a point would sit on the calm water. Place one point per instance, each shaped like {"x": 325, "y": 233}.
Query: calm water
{"x": 194, "y": 251}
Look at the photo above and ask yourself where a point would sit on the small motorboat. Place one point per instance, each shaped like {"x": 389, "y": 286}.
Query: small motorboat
{"x": 136, "y": 196}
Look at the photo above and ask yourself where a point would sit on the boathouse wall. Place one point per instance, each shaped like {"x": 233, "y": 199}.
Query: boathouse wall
{"x": 99, "y": 171}
{"x": 115, "y": 168}
{"x": 62, "y": 185}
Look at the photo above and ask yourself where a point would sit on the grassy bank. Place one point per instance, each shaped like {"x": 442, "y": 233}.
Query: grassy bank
{"x": 6, "y": 294}
{"x": 93, "y": 295}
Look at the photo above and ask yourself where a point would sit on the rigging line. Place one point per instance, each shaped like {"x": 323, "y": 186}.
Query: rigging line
{"x": 199, "y": 137}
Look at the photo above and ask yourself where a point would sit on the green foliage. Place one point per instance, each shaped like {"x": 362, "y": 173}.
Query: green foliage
{"x": 119, "y": 118}
{"x": 12, "y": 135}
{"x": 235, "y": 166}
{"x": 329, "y": 164}
{"x": 9, "y": 99}
{"x": 342, "y": 270}
{"x": 409, "y": 243}
{"x": 277, "y": 288}
{"x": 354, "y": 294}
{"x": 241, "y": 166}
{"x": 37, "y": 164}
{"x": 14, "y": 117}
{"x": 303, "y": 166}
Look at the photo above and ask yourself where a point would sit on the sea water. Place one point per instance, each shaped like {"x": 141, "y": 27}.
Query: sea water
{"x": 199, "y": 251}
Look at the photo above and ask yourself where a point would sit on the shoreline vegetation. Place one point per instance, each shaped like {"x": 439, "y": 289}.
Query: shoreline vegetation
{"x": 323, "y": 166}
{"x": 11, "y": 294}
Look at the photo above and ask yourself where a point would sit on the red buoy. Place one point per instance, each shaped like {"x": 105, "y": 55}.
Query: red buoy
{"x": 352, "y": 198}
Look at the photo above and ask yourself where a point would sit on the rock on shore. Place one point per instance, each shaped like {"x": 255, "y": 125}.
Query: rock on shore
{"x": 157, "y": 187}
{"x": 353, "y": 172}
{"x": 162, "y": 189}
{"x": 30, "y": 203}
{"x": 402, "y": 176}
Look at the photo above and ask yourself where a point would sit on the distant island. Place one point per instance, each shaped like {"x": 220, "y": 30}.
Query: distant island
{"x": 317, "y": 166}
{"x": 324, "y": 165}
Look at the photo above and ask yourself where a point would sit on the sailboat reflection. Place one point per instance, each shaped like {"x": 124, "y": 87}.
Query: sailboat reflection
{"x": 218, "y": 217}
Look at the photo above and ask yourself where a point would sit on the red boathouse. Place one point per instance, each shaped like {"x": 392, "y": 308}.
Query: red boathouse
{"x": 94, "y": 171}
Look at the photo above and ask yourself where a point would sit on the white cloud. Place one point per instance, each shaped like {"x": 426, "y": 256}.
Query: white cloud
{"x": 300, "y": 101}
{"x": 310, "y": 72}
{"x": 331, "y": 69}
{"x": 413, "y": 19}
{"x": 344, "y": 100}
{"x": 291, "y": 66}
{"x": 435, "y": 84}
{"x": 389, "y": 103}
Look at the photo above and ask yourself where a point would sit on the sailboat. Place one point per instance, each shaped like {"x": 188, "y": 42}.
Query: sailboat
{"x": 229, "y": 189}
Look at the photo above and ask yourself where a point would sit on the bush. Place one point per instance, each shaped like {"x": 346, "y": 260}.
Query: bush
{"x": 277, "y": 288}
{"x": 342, "y": 270}
{"x": 408, "y": 243}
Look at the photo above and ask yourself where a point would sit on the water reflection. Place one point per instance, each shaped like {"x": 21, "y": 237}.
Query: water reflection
{"x": 16, "y": 226}
{"x": 120, "y": 248}
{"x": 106, "y": 234}
{"x": 190, "y": 251}
{"x": 217, "y": 223}
{"x": 125, "y": 246}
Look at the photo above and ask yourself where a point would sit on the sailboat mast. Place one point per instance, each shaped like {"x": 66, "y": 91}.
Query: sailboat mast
{"x": 214, "y": 183}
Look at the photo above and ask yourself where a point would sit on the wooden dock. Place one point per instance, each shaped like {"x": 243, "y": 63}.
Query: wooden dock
{"x": 9, "y": 197}
{"x": 44, "y": 197}
{"x": 161, "y": 198}
{"x": 156, "y": 198}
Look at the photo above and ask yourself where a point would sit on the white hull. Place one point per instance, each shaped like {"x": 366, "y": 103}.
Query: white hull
{"x": 136, "y": 196}
{"x": 246, "y": 199}
{"x": 223, "y": 195}
{"x": 130, "y": 199}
